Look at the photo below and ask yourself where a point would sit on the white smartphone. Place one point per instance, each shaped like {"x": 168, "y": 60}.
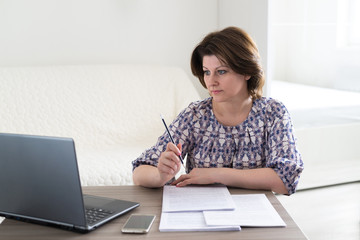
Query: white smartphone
{"x": 138, "y": 223}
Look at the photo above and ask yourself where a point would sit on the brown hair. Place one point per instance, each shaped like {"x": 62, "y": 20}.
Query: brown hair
{"x": 234, "y": 47}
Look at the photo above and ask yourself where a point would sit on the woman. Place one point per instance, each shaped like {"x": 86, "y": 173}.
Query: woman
{"x": 236, "y": 137}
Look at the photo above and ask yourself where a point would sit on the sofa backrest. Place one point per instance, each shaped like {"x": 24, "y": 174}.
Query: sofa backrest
{"x": 100, "y": 106}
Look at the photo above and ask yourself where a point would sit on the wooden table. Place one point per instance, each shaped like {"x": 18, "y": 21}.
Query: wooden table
{"x": 150, "y": 203}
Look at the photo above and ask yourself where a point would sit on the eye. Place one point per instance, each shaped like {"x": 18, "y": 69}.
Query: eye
{"x": 221, "y": 72}
{"x": 206, "y": 72}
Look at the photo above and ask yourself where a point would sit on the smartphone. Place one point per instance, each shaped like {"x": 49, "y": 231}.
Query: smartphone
{"x": 138, "y": 223}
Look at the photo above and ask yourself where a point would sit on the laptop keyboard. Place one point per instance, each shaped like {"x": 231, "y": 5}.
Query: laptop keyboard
{"x": 96, "y": 214}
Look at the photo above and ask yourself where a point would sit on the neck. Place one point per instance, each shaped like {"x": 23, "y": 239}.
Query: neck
{"x": 234, "y": 112}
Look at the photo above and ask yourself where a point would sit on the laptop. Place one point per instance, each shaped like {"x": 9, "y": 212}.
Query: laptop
{"x": 39, "y": 182}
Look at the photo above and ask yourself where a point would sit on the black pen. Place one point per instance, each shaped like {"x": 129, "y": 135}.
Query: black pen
{"x": 172, "y": 140}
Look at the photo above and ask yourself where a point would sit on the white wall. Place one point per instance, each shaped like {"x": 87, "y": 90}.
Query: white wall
{"x": 308, "y": 46}
{"x": 55, "y": 32}
{"x": 252, "y": 16}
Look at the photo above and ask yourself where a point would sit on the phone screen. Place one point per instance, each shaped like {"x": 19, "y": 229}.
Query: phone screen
{"x": 138, "y": 223}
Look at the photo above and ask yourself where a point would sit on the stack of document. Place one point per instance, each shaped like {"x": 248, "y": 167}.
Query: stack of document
{"x": 212, "y": 208}
{"x": 183, "y": 208}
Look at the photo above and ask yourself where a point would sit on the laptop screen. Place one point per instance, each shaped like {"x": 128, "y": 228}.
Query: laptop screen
{"x": 39, "y": 179}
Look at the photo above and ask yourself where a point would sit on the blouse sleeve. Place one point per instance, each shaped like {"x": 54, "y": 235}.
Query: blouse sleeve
{"x": 283, "y": 155}
{"x": 179, "y": 132}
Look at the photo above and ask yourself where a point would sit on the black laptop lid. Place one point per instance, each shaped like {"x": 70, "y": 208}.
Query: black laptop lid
{"x": 39, "y": 179}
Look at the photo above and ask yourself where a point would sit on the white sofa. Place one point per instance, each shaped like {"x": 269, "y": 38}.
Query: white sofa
{"x": 111, "y": 111}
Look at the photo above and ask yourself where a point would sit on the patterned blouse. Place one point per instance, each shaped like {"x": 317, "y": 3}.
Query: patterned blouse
{"x": 264, "y": 139}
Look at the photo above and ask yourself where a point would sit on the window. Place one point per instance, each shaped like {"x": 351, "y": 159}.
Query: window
{"x": 348, "y": 33}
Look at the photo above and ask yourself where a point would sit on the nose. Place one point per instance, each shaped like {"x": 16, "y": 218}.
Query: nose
{"x": 211, "y": 79}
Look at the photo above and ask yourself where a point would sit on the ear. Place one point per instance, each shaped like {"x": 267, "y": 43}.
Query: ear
{"x": 247, "y": 77}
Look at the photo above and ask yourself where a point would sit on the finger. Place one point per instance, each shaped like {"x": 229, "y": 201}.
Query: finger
{"x": 184, "y": 183}
{"x": 171, "y": 147}
{"x": 180, "y": 179}
{"x": 169, "y": 162}
{"x": 168, "y": 167}
{"x": 179, "y": 146}
{"x": 169, "y": 158}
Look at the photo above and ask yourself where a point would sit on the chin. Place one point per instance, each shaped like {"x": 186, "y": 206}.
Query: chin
{"x": 218, "y": 99}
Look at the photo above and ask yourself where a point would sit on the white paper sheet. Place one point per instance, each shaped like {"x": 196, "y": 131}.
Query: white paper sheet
{"x": 196, "y": 198}
{"x": 252, "y": 210}
{"x": 189, "y": 221}
{"x": 182, "y": 207}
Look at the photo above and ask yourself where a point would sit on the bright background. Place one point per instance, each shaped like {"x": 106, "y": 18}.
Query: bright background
{"x": 310, "y": 51}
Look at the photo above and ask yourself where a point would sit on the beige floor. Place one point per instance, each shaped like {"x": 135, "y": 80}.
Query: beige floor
{"x": 327, "y": 213}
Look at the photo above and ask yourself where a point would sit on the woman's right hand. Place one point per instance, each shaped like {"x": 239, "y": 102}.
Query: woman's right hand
{"x": 169, "y": 163}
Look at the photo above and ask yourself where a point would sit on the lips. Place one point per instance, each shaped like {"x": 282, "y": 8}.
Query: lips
{"x": 215, "y": 91}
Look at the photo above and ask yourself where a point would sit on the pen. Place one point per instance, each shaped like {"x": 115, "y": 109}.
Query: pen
{"x": 172, "y": 140}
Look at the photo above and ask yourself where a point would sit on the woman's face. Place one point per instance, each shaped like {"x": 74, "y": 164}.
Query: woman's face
{"x": 223, "y": 84}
